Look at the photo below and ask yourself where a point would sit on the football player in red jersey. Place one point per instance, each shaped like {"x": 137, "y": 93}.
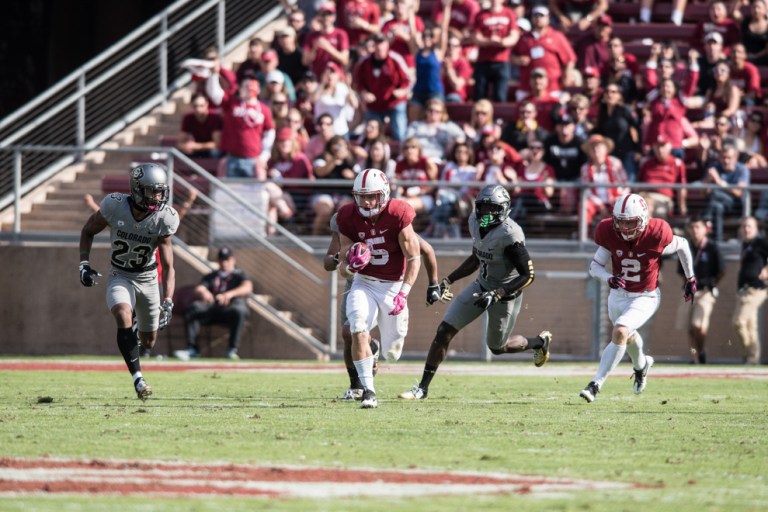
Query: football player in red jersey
{"x": 380, "y": 287}
{"x": 634, "y": 244}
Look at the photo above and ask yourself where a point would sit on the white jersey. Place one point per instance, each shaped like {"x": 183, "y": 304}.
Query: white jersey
{"x": 495, "y": 269}
{"x": 134, "y": 241}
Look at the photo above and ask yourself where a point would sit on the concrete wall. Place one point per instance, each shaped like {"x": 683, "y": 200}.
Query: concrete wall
{"x": 45, "y": 310}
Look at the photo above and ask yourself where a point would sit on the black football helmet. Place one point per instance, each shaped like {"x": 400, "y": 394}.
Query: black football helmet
{"x": 492, "y": 206}
{"x": 149, "y": 187}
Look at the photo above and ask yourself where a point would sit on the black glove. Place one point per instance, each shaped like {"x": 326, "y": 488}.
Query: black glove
{"x": 486, "y": 299}
{"x": 433, "y": 293}
{"x": 617, "y": 282}
{"x": 689, "y": 289}
{"x": 166, "y": 311}
{"x": 87, "y": 274}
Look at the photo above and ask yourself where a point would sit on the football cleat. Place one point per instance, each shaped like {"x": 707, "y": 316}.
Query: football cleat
{"x": 590, "y": 392}
{"x": 143, "y": 390}
{"x": 641, "y": 376}
{"x": 415, "y": 393}
{"x": 541, "y": 355}
{"x": 369, "y": 400}
{"x": 353, "y": 394}
{"x": 232, "y": 354}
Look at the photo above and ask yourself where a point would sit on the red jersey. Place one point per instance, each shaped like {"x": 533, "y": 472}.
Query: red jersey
{"x": 550, "y": 51}
{"x": 338, "y": 39}
{"x": 243, "y": 126}
{"x": 462, "y": 14}
{"x": 672, "y": 170}
{"x": 366, "y": 10}
{"x": 398, "y": 45}
{"x": 638, "y": 260}
{"x": 382, "y": 237}
{"x": 666, "y": 119}
{"x": 489, "y": 23}
{"x": 412, "y": 171}
{"x": 382, "y": 81}
{"x": 548, "y": 173}
{"x": 201, "y": 131}
{"x": 747, "y": 79}
{"x": 463, "y": 69}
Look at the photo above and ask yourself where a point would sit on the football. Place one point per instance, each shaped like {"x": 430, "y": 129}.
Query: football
{"x": 359, "y": 256}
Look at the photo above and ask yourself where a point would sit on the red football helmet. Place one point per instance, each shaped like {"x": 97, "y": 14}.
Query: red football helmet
{"x": 630, "y": 216}
{"x": 368, "y": 183}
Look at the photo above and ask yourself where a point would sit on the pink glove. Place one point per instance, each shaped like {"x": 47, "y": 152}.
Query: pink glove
{"x": 400, "y": 301}
{"x": 358, "y": 257}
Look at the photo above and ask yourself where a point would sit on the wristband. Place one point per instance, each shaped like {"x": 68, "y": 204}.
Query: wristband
{"x": 85, "y": 262}
{"x": 405, "y": 289}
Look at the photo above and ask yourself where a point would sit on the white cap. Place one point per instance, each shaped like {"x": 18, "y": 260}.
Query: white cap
{"x": 275, "y": 76}
{"x": 540, "y": 9}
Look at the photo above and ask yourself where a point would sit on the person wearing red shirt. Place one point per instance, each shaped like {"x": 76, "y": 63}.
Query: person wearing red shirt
{"x": 658, "y": 68}
{"x": 398, "y": 31}
{"x": 412, "y": 165}
{"x": 544, "y": 47}
{"x": 665, "y": 116}
{"x": 200, "y": 133}
{"x": 719, "y": 22}
{"x": 327, "y": 44}
{"x": 360, "y": 18}
{"x": 616, "y": 48}
{"x": 601, "y": 169}
{"x": 543, "y": 99}
{"x": 383, "y": 273}
{"x": 288, "y": 162}
{"x": 457, "y": 71}
{"x": 463, "y": 13}
{"x": 663, "y": 168}
{"x": 592, "y": 90}
{"x": 494, "y": 33}
{"x": 634, "y": 244}
{"x": 592, "y": 49}
{"x": 247, "y": 131}
{"x": 383, "y": 83}
{"x": 745, "y": 75}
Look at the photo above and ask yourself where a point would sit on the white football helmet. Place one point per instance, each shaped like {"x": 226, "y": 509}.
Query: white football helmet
{"x": 367, "y": 182}
{"x": 630, "y": 216}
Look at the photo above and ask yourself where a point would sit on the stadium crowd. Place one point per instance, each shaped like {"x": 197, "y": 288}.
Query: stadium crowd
{"x": 510, "y": 92}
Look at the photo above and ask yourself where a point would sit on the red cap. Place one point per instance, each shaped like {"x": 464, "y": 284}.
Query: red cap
{"x": 285, "y": 134}
{"x": 487, "y": 129}
{"x": 268, "y": 56}
{"x": 328, "y": 7}
{"x": 591, "y": 71}
{"x": 605, "y": 20}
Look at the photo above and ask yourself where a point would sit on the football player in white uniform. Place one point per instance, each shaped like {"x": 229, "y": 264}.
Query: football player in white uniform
{"x": 139, "y": 222}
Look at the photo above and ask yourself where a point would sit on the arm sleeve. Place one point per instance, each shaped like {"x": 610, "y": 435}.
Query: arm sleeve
{"x": 680, "y": 246}
{"x": 213, "y": 89}
{"x": 267, "y": 140}
{"x": 597, "y": 265}
{"x": 518, "y": 255}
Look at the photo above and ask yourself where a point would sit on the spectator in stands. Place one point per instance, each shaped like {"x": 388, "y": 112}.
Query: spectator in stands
{"x": 544, "y": 47}
{"x": 601, "y": 169}
{"x": 753, "y": 135}
{"x": 494, "y": 32}
{"x": 456, "y": 70}
{"x": 711, "y": 145}
{"x": 319, "y": 142}
{"x": 727, "y": 174}
{"x": 480, "y": 119}
{"x": 496, "y": 170}
{"x": 564, "y": 155}
{"x": 454, "y": 204}
{"x": 289, "y": 54}
{"x": 271, "y": 74}
{"x": 251, "y": 67}
{"x": 248, "y": 130}
{"x": 619, "y": 75}
{"x": 709, "y": 267}
{"x": 399, "y": 32}
{"x": 336, "y": 163}
{"x": 383, "y": 83}
{"x": 379, "y": 157}
{"x": 297, "y": 20}
{"x": 665, "y": 117}
{"x": 288, "y": 162}
{"x": 616, "y": 121}
{"x": 533, "y": 169}
{"x": 200, "y": 74}
{"x": 579, "y": 107}
{"x": 304, "y": 91}
{"x": 577, "y": 13}
{"x": 543, "y": 98}
{"x": 462, "y": 14}
{"x": 372, "y": 131}
{"x": 592, "y": 49}
{"x": 713, "y": 54}
{"x": 754, "y": 32}
{"x": 429, "y": 68}
{"x": 295, "y": 122}
{"x": 360, "y": 19}
{"x": 200, "y": 134}
{"x": 279, "y": 106}
{"x": 326, "y": 44}
{"x": 616, "y": 47}
{"x": 436, "y": 134}
{"x": 745, "y": 76}
{"x": 723, "y": 97}
{"x": 593, "y": 90}
{"x": 520, "y": 132}
{"x": 752, "y": 289}
{"x": 413, "y": 165}
{"x": 489, "y": 137}
{"x": 718, "y": 22}
{"x": 220, "y": 299}
{"x": 678, "y": 10}
{"x": 659, "y": 67}
{"x": 662, "y": 168}
{"x": 334, "y": 97}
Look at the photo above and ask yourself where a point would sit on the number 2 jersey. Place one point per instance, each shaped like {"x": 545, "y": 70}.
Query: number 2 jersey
{"x": 134, "y": 241}
{"x": 495, "y": 269}
{"x": 381, "y": 237}
{"x": 638, "y": 260}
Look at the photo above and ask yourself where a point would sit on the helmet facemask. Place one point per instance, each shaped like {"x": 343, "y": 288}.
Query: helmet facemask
{"x": 371, "y": 186}
{"x": 492, "y": 206}
{"x": 630, "y": 216}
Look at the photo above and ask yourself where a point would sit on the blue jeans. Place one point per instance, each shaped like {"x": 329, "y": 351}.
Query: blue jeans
{"x": 398, "y": 119}
{"x": 488, "y": 73}
{"x": 720, "y": 203}
{"x": 240, "y": 167}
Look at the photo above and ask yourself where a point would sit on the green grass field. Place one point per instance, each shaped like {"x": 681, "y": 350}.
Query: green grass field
{"x": 697, "y": 444}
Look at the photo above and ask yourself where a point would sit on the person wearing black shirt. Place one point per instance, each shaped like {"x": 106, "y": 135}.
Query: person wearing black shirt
{"x": 564, "y": 154}
{"x": 752, "y": 289}
{"x": 219, "y": 299}
{"x": 709, "y": 268}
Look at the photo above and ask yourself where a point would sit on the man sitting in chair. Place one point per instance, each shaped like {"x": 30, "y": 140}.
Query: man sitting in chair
{"x": 219, "y": 299}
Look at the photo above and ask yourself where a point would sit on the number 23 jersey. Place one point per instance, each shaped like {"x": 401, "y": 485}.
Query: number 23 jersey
{"x": 638, "y": 259}
{"x": 134, "y": 241}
